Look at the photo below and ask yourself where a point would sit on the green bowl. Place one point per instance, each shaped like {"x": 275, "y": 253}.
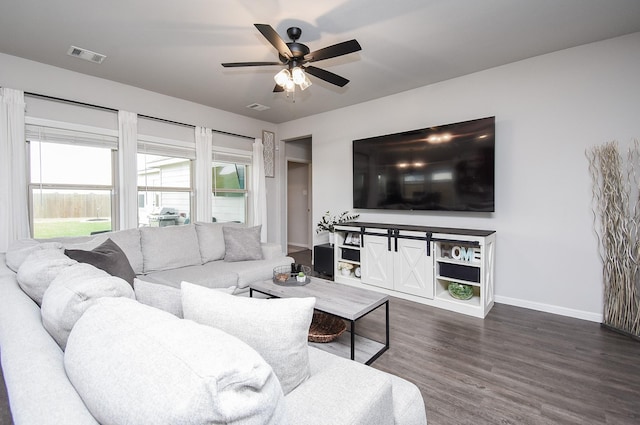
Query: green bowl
{"x": 460, "y": 291}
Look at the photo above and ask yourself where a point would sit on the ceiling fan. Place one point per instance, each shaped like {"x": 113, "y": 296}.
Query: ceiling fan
{"x": 295, "y": 56}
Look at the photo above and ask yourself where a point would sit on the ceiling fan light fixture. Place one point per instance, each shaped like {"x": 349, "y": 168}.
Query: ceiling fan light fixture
{"x": 282, "y": 78}
{"x": 298, "y": 75}
{"x": 305, "y": 83}
{"x": 290, "y": 86}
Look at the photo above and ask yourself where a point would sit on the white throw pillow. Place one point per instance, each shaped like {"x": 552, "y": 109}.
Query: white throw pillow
{"x": 72, "y": 292}
{"x": 39, "y": 269}
{"x": 164, "y": 297}
{"x": 134, "y": 364}
{"x": 275, "y": 328}
{"x": 165, "y": 248}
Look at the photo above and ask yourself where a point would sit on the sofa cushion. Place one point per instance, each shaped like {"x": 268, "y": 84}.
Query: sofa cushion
{"x": 72, "y": 292}
{"x": 169, "y": 247}
{"x": 275, "y": 328}
{"x": 108, "y": 257}
{"x": 211, "y": 240}
{"x": 166, "y": 298}
{"x": 19, "y": 251}
{"x": 39, "y": 269}
{"x": 242, "y": 243}
{"x": 134, "y": 364}
{"x": 209, "y": 274}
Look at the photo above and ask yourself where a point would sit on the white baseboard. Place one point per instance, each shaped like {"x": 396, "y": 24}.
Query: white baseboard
{"x": 298, "y": 245}
{"x": 548, "y": 308}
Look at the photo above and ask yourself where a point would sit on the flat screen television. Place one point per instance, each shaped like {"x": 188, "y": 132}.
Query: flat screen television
{"x": 444, "y": 168}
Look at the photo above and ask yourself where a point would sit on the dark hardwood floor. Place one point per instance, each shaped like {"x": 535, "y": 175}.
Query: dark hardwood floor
{"x": 516, "y": 366}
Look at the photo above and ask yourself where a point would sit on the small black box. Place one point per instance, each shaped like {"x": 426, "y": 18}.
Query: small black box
{"x": 351, "y": 254}
{"x": 461, "y": 272}
{"x": 323, "y": 259}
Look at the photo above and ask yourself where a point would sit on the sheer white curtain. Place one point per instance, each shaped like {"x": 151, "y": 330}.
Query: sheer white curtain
{"x": 259, "y": 188}
{"x": 204, "y": 142}
{"x": 14, "y": 212}
{"x": 128, "y": 169}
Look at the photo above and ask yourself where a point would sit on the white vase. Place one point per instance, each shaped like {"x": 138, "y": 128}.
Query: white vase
{"x": 331, "y": 236}
{"x": 345, "y": 272}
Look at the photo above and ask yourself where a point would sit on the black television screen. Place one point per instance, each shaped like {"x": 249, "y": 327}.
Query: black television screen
{"x": 444, "y": 168}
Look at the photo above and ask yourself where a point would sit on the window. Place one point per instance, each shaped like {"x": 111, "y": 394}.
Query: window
{"x": 164, "y": 187}
{"x": 72, "y": 180}
{"x": 230, "y": 174}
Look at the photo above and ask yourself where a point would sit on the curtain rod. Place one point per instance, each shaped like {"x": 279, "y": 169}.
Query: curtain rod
{"x": 105, "y": 108}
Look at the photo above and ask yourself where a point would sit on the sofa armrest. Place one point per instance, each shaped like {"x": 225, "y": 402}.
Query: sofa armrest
{"x": 341, "y": 392}
{"x": 271, "y": 250}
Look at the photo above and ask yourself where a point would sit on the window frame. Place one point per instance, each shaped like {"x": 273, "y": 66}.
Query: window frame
{"x": 55, "y": 131}
{"x": 234, "y": 156}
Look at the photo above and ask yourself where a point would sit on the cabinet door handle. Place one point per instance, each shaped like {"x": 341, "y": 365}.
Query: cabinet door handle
{"x": 396, "y": 233}
{"x": 389, "y": 234}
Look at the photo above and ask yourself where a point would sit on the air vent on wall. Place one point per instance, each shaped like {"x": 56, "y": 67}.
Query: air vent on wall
{"x": 258, "y": 107}
{"x": 88, "y": 55}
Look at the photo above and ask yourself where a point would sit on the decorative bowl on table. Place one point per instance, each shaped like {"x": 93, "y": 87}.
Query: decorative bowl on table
{"x": 293, "y": 274}
{"x": 460, "y": 291}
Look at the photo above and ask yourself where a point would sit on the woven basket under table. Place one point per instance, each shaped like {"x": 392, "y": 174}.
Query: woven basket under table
{"x": 325, "y": 327}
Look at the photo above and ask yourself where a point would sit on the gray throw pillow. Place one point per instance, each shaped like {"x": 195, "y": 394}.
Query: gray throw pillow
{"x": 276, "y": 328}
{"x": 108, "y": 257}
{"x": 242, "y": 243}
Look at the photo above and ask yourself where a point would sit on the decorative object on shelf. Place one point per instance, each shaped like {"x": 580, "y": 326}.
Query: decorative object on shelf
{"x": 616, "y": 185}
{"x": 460, "y": 291}
{"x": 357, "y": 272}
{"x": 325, "y": 327}
{"x": 269, "y": 143}
{"x": 352, "y": 239}
{"x": 295, "y": 274}
{"x": 345, "y": 268}
{"x": 328, "y": 222}
{"x": 461, "y": 253}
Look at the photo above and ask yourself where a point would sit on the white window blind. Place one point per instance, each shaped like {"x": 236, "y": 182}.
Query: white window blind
{"x": 73, "y": 134}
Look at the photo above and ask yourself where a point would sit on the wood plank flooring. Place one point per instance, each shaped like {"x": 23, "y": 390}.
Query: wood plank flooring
{"x": 516, "y": 366}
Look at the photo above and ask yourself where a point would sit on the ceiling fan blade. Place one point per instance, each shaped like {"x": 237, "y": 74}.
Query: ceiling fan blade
{"x": 278, "y": 89}
{"x": 339, "y": 49}
{"x": 327, "y": 76}
{"x": 276, "y": 41}
{"x": 238, "y": 64}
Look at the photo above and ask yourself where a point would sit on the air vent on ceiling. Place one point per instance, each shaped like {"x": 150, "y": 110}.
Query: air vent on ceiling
{"x": 88, "y": 55}
{"x": 258, "y": 107}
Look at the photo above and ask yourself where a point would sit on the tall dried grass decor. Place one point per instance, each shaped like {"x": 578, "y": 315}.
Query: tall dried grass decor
{"x": 616, "y": 209}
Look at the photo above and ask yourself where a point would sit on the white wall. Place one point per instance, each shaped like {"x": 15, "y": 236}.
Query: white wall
{"x": 548, "y": 110}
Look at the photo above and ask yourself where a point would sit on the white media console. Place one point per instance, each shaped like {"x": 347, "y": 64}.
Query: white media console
{"x": 418, "y": 263}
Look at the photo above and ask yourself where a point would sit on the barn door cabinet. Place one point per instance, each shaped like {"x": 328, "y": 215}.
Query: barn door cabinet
{"x": 418, "y": 263}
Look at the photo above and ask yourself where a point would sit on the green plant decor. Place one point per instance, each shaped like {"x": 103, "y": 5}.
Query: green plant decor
{"x": 329, "y": 221}
{"x": 460, "y": 291}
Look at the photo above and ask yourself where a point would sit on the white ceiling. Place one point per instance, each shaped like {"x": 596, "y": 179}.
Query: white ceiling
{"x": 176, "y": 47}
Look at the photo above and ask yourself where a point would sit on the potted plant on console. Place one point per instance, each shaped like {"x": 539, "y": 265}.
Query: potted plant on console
{"x": 328, "y": 221}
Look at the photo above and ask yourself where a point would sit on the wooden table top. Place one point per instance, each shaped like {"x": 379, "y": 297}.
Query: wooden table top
{"x": 340, "y": 300}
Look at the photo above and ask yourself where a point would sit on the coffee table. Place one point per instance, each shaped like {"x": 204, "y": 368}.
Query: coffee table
{"x": 347, "y": 302}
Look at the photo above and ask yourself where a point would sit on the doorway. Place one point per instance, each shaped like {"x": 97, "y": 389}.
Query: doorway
{"x": 298, "y": 206}
{"x": 298, "y": 199}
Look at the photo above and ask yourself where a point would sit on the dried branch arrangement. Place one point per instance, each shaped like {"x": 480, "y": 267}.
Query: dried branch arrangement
{"x": 616, "y": 209}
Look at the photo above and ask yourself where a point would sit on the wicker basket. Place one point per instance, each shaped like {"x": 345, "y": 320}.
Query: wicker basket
{"x": 325, "y": 327}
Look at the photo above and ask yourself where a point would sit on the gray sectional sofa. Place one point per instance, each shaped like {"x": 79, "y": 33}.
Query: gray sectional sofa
{"x": 81, "y": 346}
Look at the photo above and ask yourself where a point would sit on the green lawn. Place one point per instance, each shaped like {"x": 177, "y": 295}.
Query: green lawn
{"x": 53, "y": 229}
